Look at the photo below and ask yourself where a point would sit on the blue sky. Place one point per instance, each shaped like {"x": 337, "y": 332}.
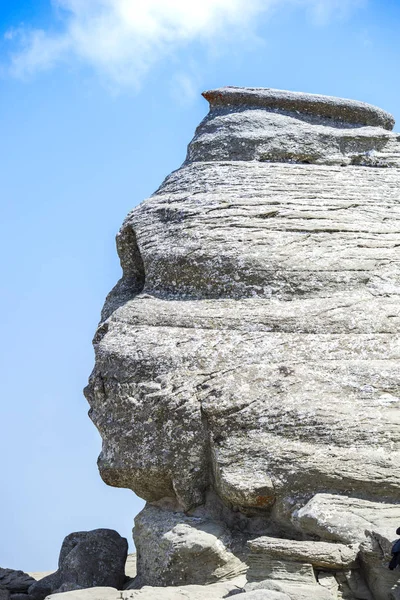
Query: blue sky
{"x": 98, "y": 101}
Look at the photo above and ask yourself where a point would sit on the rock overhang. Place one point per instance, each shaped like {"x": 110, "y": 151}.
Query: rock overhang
{"x": 267, "y": 125}
{"x": 329, "y": 107}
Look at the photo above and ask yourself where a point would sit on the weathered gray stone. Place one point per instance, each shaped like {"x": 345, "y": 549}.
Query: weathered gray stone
{"x": 266, "y": 595}
{"x": 251, "y": 348}
{"x": 335, "y": 109}
{"x": 351, "y": 585}
{"x": 371, "y": 524}
{"x": 384, "y": 584}
{"x": 295, "y": 563}
{"x": 4, "y": 594}
{"x": 329, "y": 582}
{"x": 318, "y": 554}
{"x": 189, "y": 592}
{"x": 295, "y": 591}
{"x": 375, "y": 554}
{"x": 94, "y": 593}
{"x": 263, "y": 567}
{"x": 348, "y": 520}
{"x": 240, "y": 128}
{"x": 175, "y": 549}
{"x": 87, "y": 559}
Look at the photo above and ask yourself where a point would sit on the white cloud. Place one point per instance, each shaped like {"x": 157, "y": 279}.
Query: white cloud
{"x": 123, "y": 39}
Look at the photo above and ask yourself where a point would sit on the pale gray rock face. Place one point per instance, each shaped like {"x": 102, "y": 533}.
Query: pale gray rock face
{"x": 173, "y": 549}
{"x": 300, "y": 128}
{"x": 215, "y": 591}
{"x": 348, "y": 520}
{"x": 352, "y": 520}
{"x": 318, "y": 554}
{"x": 266, "y": 595}
{"x": 294, "y": 590}
{"x": 251, "y": 348}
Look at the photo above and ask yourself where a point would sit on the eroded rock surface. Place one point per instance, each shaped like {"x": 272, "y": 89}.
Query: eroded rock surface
{"x": 250, "y": 352}
{"x": 175, "y": 549}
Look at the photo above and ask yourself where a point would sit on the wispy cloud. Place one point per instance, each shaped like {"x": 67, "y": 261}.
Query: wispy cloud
{"x": 124, "y": 39}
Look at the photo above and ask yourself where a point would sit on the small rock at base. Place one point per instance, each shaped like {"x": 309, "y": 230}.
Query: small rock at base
{"x": 87, "y": 559}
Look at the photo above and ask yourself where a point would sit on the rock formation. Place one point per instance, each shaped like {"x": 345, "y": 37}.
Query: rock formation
{"x": 87, "y": 559}
{"x": 14, "y": 584}
{"x": 246, "y": 382}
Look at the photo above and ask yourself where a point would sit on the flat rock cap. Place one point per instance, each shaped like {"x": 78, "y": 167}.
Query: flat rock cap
{"x": 330, "y": 107}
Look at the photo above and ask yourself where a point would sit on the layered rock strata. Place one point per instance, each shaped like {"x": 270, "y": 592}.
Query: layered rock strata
{"x": 247, "y": 361}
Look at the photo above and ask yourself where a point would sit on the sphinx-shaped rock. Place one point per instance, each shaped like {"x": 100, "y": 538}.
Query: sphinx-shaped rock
{"x": 247, "y": 360}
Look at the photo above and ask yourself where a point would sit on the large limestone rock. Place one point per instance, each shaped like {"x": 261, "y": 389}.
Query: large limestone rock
{"x": 348, "y": 520}
{"x": 247, "y": 360}
{"x": 182, "y": 543}
{"x": 318, "y": 554}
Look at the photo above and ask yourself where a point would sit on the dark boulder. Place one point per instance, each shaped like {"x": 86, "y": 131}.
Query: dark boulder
{"x": 87, "y": 559}
{"x": 16, "y": 582}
